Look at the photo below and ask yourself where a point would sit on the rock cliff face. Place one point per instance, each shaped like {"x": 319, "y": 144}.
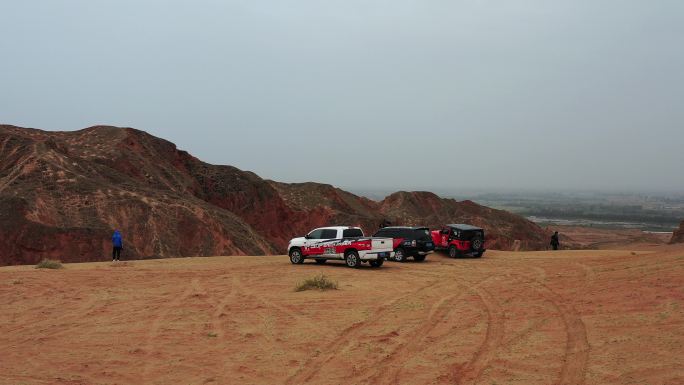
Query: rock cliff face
{"x": 678, "y": 235}
{"x": 63, "y": 193}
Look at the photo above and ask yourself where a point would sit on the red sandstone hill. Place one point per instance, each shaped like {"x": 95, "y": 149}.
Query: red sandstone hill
{"x": 62, "y": 194}
{"x": 678, "y": 234}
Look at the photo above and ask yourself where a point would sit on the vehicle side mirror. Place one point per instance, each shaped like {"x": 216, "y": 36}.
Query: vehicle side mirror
{"x": 307, "y": 236}
{"x": 444, "y": 231}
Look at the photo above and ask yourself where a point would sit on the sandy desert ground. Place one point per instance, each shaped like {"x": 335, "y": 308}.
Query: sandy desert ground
{"x": 570, "y": 317}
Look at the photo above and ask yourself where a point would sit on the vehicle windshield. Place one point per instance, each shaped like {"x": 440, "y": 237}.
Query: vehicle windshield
{"x": 423, "y": 234}
{"x": 352, "y": 233}
{"x": 316, "y": 234}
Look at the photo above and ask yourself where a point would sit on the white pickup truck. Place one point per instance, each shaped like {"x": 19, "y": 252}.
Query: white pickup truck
{"x": 340, "y": 242}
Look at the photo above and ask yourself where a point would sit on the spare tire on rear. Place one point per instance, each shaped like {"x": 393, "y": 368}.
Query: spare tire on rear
{"x": 477, "y": 243}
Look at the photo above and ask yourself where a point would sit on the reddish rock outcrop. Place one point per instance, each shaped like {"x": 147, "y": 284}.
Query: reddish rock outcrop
{"x": 63, "y": 193}
{"x": 678, "y": 234}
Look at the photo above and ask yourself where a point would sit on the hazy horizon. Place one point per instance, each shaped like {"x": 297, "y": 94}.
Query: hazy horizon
{"x": 369, "y": 95}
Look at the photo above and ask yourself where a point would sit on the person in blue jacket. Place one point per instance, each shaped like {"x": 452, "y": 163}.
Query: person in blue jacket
{"x": 117, "y": 242}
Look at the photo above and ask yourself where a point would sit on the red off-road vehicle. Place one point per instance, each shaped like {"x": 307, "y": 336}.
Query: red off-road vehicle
{"x": 460, "y": 240}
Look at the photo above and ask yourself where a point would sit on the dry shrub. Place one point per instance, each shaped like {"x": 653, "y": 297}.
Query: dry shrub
{"x": 49, "y": 264}
{"x": 318, "y": 282}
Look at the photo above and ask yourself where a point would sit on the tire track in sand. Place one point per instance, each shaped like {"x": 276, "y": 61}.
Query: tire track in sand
{"x": 60, "y": 322}
{"x": 301, "y": 320}
{"x": 315, "y": 364}
{"x": 195, "y": 291}
{"x": 577, "y": 348}
{"x": 389, "y": 369}
{"x": 219, "y": 313}
{"x": 487, "y": 351}
{"x": 577, "y": 345}
{"x": 150, "y": 337}
{"x": 439, "y": 312}
{"x": 576, "y": 355}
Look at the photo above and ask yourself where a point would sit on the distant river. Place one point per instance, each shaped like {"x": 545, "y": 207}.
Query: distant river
{"x": 650, "y": 227}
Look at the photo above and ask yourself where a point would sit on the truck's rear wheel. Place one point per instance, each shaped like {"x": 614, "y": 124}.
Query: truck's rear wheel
{"x": 376, "y": 263}
{"x": 400, "y": 255}
{"x": 479, "y": 254}
{"x": 453, "y": 251}
{"x": 351, "y": 258}
{"x": 419, "y": 258}
{"x": 321, "y": 261}
{"x": 296, "y": 257}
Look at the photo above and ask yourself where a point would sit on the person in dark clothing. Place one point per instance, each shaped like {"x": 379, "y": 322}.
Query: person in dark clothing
{"x": 117, "y": 243}
{"x": 555, "y": 242}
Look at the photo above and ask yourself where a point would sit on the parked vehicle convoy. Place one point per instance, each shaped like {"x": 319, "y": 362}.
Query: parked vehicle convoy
{"x": 408, "y": 242}
{"x": 341, "y": 243}
{"x": 460, "y": 240}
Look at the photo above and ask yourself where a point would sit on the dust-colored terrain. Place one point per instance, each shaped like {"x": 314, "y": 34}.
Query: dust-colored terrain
{"x": 570, "y": 317}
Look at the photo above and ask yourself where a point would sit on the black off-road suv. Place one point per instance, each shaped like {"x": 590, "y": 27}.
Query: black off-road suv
{"x": 413, "y": 242}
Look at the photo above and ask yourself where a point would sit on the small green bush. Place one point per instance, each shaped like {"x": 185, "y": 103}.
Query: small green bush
{"x": 49, "y": 264}
{"x": 318, "y": 282}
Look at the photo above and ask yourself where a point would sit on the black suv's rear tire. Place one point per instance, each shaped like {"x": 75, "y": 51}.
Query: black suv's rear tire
{"x": 351, "y": 259}
{"x": 400, "y": 255}
{"x": 419, "y": 258}
{"x": 479, "y": 254}
{"x": 321, "y": 261}
{"x": 296, "y": 256}
{"x": 376, "y": 263}
{"x": 453, "y": 252}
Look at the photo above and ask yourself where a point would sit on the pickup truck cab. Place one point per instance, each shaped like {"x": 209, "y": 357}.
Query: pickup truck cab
{"x": 413, "y": 242}
{"x": 459, "y": 240}
{"x": 342, "y": 243}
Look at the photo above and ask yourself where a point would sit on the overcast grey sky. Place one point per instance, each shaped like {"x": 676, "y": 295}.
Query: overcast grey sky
{"x": 420, "y": 94}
